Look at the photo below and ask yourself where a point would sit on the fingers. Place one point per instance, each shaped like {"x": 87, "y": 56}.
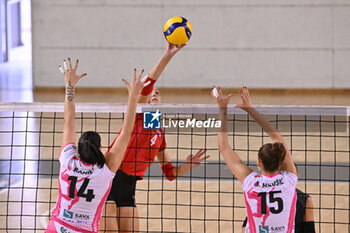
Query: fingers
{"x": 140, "y": 75}
{"x": 134, "y": 77}
{"x": 70, "y": 64}
{"x": 214, "y": 92}
{"x": 76, "y": 65}
{"x": 204, "y": 158}
{"x": 199, "y": 153}
{"x": 241, "y": 94}
{"x": 180, "y": 46}
{"x": 245, "y": 94}
{"x": 82, "y": 75}
{"x": 65, "y": 67}
{"x": 247, "y": 91}
{"x": 125, "y": 83}
{"x": 220, "y": 92}
{"x": 61, "y": 69}
{"x": 197, "y": 158}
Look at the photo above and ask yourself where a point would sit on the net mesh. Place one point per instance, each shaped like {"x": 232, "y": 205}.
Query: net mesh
{"x": 206, "y": 199}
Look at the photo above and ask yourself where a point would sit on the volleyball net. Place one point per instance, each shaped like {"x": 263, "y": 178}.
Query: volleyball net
{"x": 206, "y": 199}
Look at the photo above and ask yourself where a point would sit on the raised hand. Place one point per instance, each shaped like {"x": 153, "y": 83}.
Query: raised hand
{"x": 135, "y": 87}
{"x": 195, "y": 160}
{"x": 173, "y": 49}
{"x": 71, "y": 77}
{"x": 245, "y": 96}
{"x": 220, "y": 99}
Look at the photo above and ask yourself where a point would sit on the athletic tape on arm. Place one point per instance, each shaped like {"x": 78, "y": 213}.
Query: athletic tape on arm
{"x": 168, "y": 171}
{"x": 147, "y": 89}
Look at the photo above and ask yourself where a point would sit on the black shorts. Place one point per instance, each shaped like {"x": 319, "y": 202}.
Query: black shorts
{"x": 123, "y": 189}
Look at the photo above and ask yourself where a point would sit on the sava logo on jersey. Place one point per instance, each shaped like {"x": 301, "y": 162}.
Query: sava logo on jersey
{"x": 67, "y": 214}
{"x": 267, "y": 229}
{"x": 70, "y": 214}
{"x": 275, "y": 183}
{"x": 263, "y": 229}
{"x": 82, "y": 216}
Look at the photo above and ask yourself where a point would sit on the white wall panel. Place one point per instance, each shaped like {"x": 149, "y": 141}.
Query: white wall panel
{"x": 262, "y": 44}
{"x": 342, "y": 69}
{"x": 251, "y": 68}
{"x": 100, "y": 27}
{"x": 105, "y": 68}
{"x": 260, "y": 27}
{"x": 342, "y": 27}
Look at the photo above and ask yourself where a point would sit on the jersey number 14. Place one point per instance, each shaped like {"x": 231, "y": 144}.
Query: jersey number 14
{"x": 90, "y": 192}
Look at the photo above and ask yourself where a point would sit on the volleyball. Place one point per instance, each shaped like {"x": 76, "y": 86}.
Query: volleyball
{"x": 177, "y": 30}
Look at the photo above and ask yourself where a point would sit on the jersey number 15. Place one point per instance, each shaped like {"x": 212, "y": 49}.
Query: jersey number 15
{"x": 272, "y": 199}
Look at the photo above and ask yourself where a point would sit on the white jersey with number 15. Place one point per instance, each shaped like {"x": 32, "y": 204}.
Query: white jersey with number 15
{"x": 270, "y": 202}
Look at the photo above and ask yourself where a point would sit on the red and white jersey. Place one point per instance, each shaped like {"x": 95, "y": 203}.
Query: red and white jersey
{"x": 271, "y": 202}
{"x": 83, "y": 189}
{"x": 143, "y": 147}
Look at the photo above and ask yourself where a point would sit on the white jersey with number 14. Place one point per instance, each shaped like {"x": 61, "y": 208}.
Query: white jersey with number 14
{"x": 83, "y": 189}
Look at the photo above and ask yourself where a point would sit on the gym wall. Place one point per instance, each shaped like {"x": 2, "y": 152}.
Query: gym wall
{"x": 261, "y": 44}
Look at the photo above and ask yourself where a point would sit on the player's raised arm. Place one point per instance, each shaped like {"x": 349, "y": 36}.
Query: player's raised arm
{"x": 157, "y": 70}
{"x": 71, "y": 78}
{"x": 288, "y": 164}
{"x": 116, "y": 153}
{"x": 233, "y": 161}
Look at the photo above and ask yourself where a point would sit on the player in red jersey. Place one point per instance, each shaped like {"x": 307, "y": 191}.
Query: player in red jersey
{"x": 144, "y": 146}
{"x": 270, "y": 195}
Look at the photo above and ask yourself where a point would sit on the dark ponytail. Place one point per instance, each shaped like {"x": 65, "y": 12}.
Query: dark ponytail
{"x": 88, "y": 149}
{"x": 272, "y": 156}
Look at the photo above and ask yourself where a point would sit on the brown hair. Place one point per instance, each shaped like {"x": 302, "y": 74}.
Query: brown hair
{"x": 272, "y": 156}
